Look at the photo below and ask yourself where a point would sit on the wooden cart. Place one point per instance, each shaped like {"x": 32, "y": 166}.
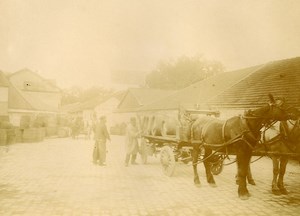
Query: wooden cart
{"x": 178, "y": 148}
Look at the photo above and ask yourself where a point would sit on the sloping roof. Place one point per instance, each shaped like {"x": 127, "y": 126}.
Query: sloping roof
{"x": 73, "y": 107}
{"x": 19, "y": 99}
{"x": 91, "y": 103}
{"x": 3, "y": 80}
{"x": 198, "y": 93}
{"x": 138, "y": 97}
{"x": 280, "y": 78}
{"x": 42, "y": 85}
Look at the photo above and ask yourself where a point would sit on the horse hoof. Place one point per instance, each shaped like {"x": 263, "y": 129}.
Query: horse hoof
{"x": 283, "y": 191}
{"x": 252, "y": 182}
{"x": 198, "y": 185}
{"x": 213, "y": 185}
{"x": 244, "y": 197}
{"x": 276, "y": 192}
{"x": 196, "y": 181}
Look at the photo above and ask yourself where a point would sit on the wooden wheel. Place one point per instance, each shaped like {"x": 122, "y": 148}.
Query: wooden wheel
{"x": 167, "y": 160}
{"x": 217, "y": 166}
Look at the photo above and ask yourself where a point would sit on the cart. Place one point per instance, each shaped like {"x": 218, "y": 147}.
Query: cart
{"x": 179, "y": 147}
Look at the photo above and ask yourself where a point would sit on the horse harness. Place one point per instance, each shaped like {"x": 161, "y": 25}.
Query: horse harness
{"x": 283, "y": 138}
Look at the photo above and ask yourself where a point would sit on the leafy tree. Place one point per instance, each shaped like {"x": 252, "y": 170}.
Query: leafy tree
{"x": 182, "y": 72}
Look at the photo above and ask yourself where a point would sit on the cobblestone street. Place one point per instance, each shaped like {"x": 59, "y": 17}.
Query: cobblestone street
{"x": 57, "y": 177}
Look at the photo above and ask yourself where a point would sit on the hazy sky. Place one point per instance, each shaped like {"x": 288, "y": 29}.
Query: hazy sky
{"x": 78, "y": 42}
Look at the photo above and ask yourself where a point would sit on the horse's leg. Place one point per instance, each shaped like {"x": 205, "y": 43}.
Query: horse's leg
{"x": 249, "y": 176}
{"x": 243, "y": 159}
{"x": 275, "y": 189}
{"x": 207, "y": 165}
{"x": 280, "y": 184}
{"x": 196, "y": 149}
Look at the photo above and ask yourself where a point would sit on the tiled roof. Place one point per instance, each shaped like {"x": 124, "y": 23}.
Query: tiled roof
{"x": 280, "y": 78}
{"x": 19, "y": 99}
{"x": 200, "y": 92}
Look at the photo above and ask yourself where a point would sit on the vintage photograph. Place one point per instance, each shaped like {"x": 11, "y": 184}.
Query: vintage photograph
{"x": 149, "y": 107}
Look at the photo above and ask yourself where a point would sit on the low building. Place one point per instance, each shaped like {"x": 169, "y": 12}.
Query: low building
{"x": 31, "y": 95}
{"x": 4, "y": 85}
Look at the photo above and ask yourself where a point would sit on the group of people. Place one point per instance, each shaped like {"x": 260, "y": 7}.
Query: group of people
{"x": 101, "y": 137}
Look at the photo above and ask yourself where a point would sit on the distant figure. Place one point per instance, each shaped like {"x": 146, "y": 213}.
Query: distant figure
{"x": 88, "y": 129}
{"x": 101, "y": 136}
{"x": 131, "y": 144}
{"x": 75, "y": 127}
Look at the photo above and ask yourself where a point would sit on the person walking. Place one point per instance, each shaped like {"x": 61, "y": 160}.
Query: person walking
{"x": 101, "y": 136}
{"x": 131, "y": 142}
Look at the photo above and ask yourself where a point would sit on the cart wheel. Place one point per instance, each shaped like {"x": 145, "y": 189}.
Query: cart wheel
{"x": 217, "y": 167}
{"x": 167, "y": 160}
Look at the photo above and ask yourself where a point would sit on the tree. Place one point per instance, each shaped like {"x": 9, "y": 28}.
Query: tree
{"x": 182, "y": 72}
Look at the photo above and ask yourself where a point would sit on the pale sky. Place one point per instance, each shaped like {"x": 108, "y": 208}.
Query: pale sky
{"x": 78, "y": 42}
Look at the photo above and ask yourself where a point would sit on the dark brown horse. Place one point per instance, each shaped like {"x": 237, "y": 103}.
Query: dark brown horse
{"x": 237, "y": 135}
{"x": 280, "y": 142}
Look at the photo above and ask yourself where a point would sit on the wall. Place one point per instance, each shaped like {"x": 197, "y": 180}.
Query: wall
{"x": 50, "y": 100}
{"x": 107, "y": 108}
{"x": 3, "y": 101}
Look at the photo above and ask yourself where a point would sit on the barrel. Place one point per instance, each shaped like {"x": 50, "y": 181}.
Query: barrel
{"x": 51, "y": 131}
{"x": 41, "y": 132}
{"x": 3, "y": 137}
{"x": 25, "y": 122}
{"x": 39, "y": 121}
{"x": 30, "y": 135}
{"x": 19, "y": 136}
{"x": 163, "y": 125}
{"x": 63, "y": 132}
{"x": 185, "y": 132}
{"x": 11, "y": 136}
{"x": 51, "y": 121}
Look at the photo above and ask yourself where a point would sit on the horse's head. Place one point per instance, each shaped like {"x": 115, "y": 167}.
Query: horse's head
{"x": 280, "y": 111}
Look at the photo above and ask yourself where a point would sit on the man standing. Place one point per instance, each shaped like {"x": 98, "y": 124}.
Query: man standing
{"x": 101, "y": 135}
{"x": 132, "y": 141}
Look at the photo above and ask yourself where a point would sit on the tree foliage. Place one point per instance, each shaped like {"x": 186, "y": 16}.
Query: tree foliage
{"x": 182, "y": 72}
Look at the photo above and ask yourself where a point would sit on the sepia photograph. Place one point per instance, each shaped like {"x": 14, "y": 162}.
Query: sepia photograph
{"x": 149, "y": 108}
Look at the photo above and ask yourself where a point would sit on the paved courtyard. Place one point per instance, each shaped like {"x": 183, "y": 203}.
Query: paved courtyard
{"x": 57, "y": 177}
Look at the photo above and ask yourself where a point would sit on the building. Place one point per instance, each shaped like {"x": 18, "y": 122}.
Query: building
{"x": 280, "y": 78}
{"x": 25, "y": 93}
{"x": 4, "y": 85}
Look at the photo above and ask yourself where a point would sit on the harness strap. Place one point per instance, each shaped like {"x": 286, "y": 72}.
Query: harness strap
{"x": 223, "y": 130}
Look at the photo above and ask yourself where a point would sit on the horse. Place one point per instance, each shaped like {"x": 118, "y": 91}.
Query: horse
{"x": 237, "y": 135}
{"x": 279, "y": 142}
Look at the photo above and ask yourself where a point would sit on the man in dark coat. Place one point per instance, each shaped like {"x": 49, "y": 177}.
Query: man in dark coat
{"x": 101, "y": 136}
